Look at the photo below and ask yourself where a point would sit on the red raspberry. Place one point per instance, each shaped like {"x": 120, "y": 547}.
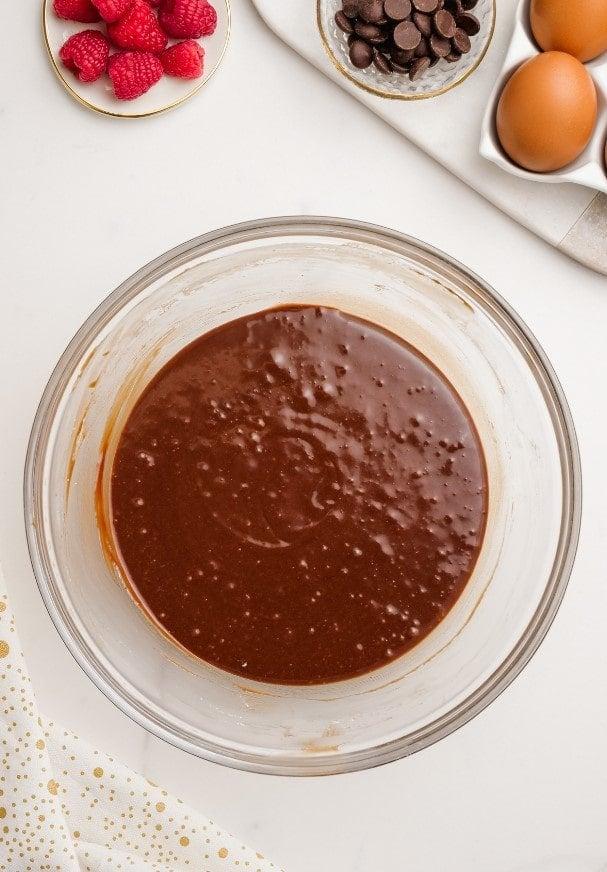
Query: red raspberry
{"x": 76, "y": 10}
{"x": 112, "y": 10}
{"x": 138, "y": 29}
{"x": 86, "y": 53}
{"x": 184, "y": 59}
{"x": 133, "y": 73}
{"x": 187, "y": 19}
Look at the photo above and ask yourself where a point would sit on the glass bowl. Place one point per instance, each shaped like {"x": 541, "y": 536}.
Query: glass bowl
{"x": 532, "y": 458}
{"x": 437, "y": 80}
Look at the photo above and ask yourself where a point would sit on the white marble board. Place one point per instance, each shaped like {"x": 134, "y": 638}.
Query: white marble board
{"x": 448, "y": 128}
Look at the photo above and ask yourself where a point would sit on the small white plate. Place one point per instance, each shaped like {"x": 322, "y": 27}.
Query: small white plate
{"x": 166, "y": 94}
{"x": 589, "y": 168}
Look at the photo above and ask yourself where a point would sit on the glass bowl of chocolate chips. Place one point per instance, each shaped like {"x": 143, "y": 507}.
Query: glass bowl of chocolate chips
{"x": 406, "y": 49}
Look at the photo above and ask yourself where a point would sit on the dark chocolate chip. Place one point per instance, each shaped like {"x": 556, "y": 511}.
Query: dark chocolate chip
{"x": 397, "y": 10}
{"x": 423, "y": 23}
{"x": 381, "y": 62}
{"x": 426, "y": 5}
{"x": 367, "y": 31}
{"x": 351, "y": 8}
{"x": 418, "y": 67}
{"x": 469, "y": 23}
{"x": 439, "y": 47}
{"x": 343, "y": 22}
{"x": 401, "y": 56}
{"x": 453, "y": 56}
{"x": 454, "y": 7}
{"x": 400, "y": 68}
{"x": 422, "y": 50}
{"x": 461, "y": 41}
{"x": 372, "y": 11}
{"x": 378, "y": 40}
{"x": 406, "y": 35}
{"x": 361, "y": 54}
{"x": 444, "y": 24}
{"x": 433, "y": 60}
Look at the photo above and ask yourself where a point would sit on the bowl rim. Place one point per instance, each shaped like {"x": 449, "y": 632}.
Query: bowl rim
{"x": 265, "y": 762}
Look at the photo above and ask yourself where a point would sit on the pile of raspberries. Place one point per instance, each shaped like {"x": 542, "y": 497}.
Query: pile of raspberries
{"x": 140, "y": 34}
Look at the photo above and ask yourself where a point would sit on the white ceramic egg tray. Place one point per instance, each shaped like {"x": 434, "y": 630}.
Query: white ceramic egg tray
{"x": 590, "y": 168}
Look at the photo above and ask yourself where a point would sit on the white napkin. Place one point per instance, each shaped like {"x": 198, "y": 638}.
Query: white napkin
{"x": 65, "y": 807}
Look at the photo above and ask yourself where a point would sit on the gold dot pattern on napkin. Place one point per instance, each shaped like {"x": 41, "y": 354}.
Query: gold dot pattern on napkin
{"x": 66, "y": 807}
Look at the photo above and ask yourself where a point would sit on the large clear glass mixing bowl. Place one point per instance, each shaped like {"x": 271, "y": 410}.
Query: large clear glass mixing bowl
{"x": 534, "y": 513}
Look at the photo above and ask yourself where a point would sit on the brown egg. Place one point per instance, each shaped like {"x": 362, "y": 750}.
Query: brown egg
{"x": 578, "y": 27}
{"x": 547, "y": 112}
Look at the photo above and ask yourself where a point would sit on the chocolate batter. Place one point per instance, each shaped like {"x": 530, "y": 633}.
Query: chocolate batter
{"x": 299, "y": 496}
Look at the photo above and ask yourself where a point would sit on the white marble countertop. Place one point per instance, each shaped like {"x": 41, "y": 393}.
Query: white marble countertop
{"x": 84, "y": 201}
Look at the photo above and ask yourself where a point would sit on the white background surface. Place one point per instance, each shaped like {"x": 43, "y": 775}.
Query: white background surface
{"x": 84, "y": 201}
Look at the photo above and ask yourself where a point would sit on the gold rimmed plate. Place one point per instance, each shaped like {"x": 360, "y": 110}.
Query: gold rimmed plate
{"x": 397, "y": 86}
{"x": 166, "y": 94}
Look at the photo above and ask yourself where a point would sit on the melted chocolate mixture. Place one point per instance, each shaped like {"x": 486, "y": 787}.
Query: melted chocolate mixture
{"x": 299, "y": 496}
